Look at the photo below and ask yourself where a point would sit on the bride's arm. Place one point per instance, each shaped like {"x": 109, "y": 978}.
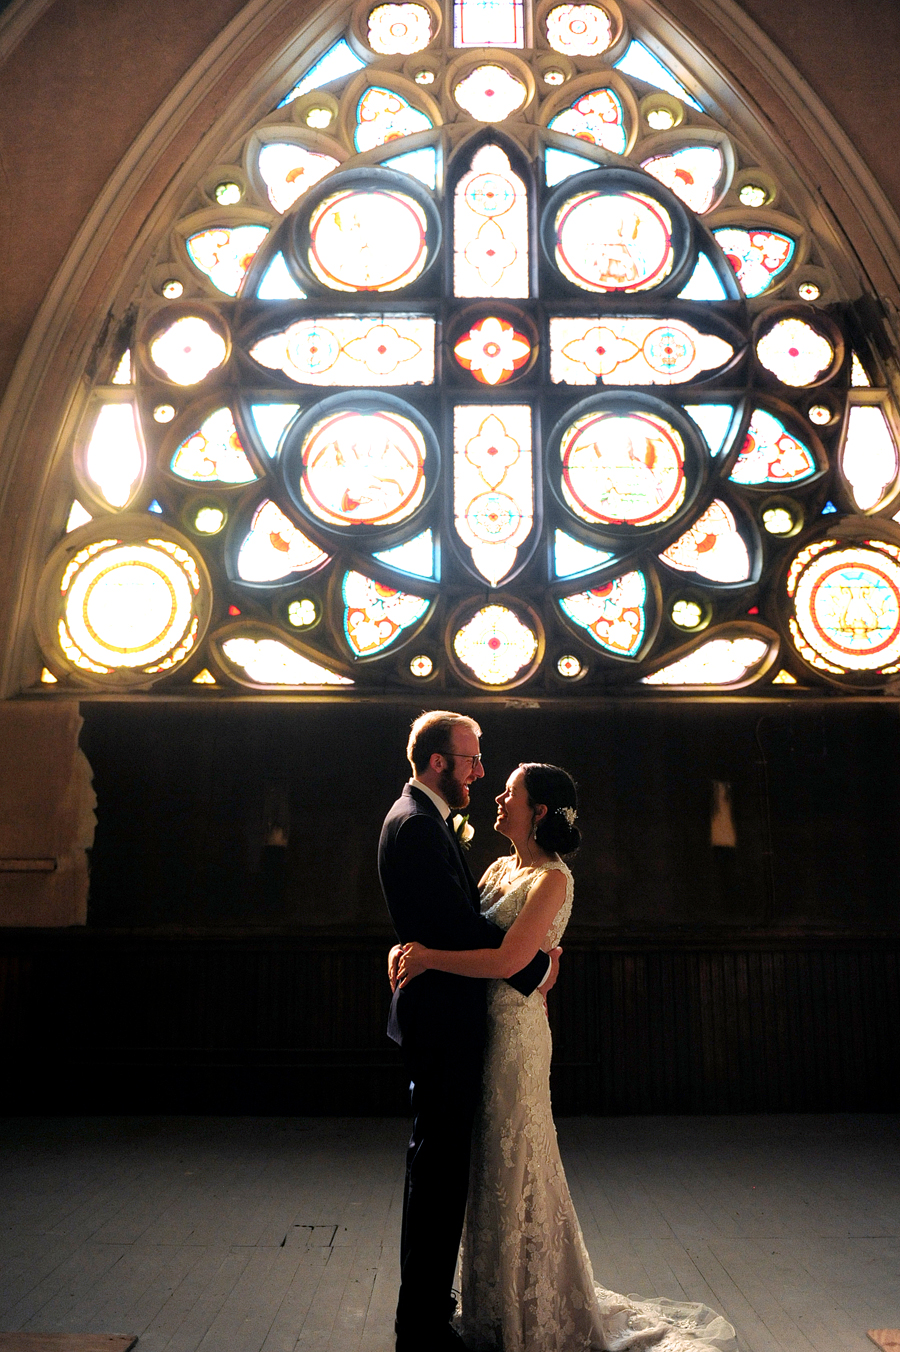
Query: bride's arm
{"x": 521, "y": 942}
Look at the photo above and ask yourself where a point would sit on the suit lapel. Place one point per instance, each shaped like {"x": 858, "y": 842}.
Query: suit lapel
{"x": 426, "y": 805}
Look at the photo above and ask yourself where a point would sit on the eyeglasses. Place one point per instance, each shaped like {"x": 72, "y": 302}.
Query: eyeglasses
{"x": 474, "y": 760}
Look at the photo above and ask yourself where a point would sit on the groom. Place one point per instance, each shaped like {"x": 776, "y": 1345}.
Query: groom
{"x": 438, "y": 1019}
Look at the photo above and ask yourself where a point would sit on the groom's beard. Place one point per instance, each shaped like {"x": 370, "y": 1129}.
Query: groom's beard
{"x": 454, "y": 793}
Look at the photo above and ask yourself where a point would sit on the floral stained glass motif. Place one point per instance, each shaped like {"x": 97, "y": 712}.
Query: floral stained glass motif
{"x": 490, "y": 229}
{"x": 374, "y": 614}
{"x": 614, "y": 613}
{"x": 579, "y": 30}
{"x": 632, "y": 352}
{"x": 757, "y": 256}
{"x": 288, "y": 170}
{"x": 363, "y": 469}
{"x": 416, "y": 556}
{"x": 597, "y": 117}
{"x": 795, "y": 352}
{"x": 225, "y": 255}
{"x": 618, "y": 242}
{"x": 495, "y": 645}
{"x": 869, "y": 457}
{"x": 366, "y": 240}
{"x": 188, "y": 350}
{"x": 571, "y": 557}
{"x": 694, "y": 174}
{"x": 623, "y": 469}
{"x": 493, "y": 486}
{"x": 488, "y": 23}
{"x": 490, "y": 93}
{"x": 114, "y": 459}
{"x": 213, "y": 454}
{"x": 382, "y": 116}
{"x": 352, "y": 351}
{"x": 271, "y": 422}
{"x": 274, "y": 548}
{"x": 713, "y": 548}
{"x": 492, "y": 350}
{"x": 771, "y": 454}
{"x": 268, "y": 662}
{"x": 719, "y": 661}
{"x": 277, "y": 283}
{"x": 399, "y": 29}
{"x": 129, "y": 605}
{"x": 847, "y": 604}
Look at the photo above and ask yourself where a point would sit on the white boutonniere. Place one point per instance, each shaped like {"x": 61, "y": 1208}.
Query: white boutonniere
{"x": 462, "y": 830}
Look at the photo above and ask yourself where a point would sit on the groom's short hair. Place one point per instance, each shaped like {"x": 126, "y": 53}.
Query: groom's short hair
{"x": 431, "y": 732}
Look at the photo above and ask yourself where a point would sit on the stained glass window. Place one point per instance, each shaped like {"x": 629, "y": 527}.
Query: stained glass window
{"x": 399, "y": 405}
{"x": 490, "y": 229}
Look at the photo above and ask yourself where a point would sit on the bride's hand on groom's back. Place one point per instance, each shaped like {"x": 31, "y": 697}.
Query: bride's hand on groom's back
{"x": 546, "y": 986}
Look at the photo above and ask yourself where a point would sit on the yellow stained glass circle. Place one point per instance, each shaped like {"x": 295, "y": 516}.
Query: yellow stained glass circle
{"x": 130, "y": 605}
{"x": 847, "y": 603}
{"x": 367, "y": 240}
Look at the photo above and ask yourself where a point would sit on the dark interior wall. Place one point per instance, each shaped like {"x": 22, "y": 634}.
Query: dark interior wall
{"x": 188, "y": 796}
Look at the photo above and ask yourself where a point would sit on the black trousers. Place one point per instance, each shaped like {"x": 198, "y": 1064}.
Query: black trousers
{"x": 445, "y": 1090}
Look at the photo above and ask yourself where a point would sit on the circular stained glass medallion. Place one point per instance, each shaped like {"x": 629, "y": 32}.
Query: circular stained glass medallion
{"x": 623, "y": 468}
{"x": 847, "y": 604}
{"x": 490, "y": 93}
{"x": 579, "y": 30}
{"x": 613, "y": 241}
{"x": 186, "y": 350}
{"x": 367, "y": 238}
{"x": 403, "y": 29}
{"x": 795, "y": 352}
{"x": 492, "y": 350}
{"x": 363, "y": 465}
{"x": 495, "y": 646}
{"x": 128, "y": 606}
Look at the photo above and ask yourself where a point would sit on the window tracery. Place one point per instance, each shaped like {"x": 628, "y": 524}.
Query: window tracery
{"x": 480, "y": 369}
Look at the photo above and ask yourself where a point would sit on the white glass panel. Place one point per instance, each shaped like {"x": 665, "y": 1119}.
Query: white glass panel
{"x": 714, "y": 421}
{"x": 114, "y": 461}
{"x": 704, "y": 282}
{"x": 213, "y": 454}
{"x": 78, "y": 516}
{"x": 490, "y": 93}
{"x": 338, "y": 61}
{"x": 357, "y": 351}
{"x": 123, "y": 375}
{"x": 225, "y": 255}
{"x": 383, "y": 116}
{"x": 188, "y": 350}
{"x": 268, "y": 662}
{"x": 858, "y": 378}
{"x": 632, "y": 352}
{"x": 721, "y": 661}
{"x": 794, "y": 352}
{"x": 692, "y": 173}
{"x": 420, "y": 164}
{"x": 493, "y": 488}
{"x": 641, "y": 64}
{"x": 416, "y": 556}
{"x": 490, "y": 229}
{"x": 488, "y": 23}
{"x": 562, "y": 164}
{"x": 571, "y": 557}
{"x": 277, "y": 283}
{"x": 869, "y": 457}
{"x": 271, "y": 421}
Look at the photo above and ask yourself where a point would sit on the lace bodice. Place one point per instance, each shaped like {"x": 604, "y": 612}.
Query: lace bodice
{"x": 503, "y": 908}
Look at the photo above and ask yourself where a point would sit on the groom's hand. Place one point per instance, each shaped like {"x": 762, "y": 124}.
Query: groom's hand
{"x": 554, "y": 955}
{"x": 394, "y": 966}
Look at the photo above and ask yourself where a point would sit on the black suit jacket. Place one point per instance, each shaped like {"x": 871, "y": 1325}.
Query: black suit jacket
{"x": 433, "y": 898}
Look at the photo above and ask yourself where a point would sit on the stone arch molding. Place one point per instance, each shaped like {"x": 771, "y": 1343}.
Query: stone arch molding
{"x": 748, "y": 84}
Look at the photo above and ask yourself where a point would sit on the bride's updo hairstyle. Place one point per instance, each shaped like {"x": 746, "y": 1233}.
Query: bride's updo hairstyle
{"x": 556, "y": 833}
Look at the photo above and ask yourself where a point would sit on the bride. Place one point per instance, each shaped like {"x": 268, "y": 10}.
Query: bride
{"x": 526, "y": 1279}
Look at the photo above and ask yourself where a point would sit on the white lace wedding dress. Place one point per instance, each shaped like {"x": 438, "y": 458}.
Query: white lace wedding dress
{"x": 526, "y": 1281}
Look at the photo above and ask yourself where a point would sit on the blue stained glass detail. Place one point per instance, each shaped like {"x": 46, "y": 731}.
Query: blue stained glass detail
{"x": 271, "y": 421}
{"x": 704, "y": 282}
{"x": 571, "y": 557}
{"x": 417, "y": 556}
{"x": 641, "y": 64}
{"x": 155, "y": 507}
{"x": 562, "y": 164}
{"x": 714, "y": 421}
{"x": 829, "y": 507}
{"x": 338, "y": 60}
{"x": 420, "y": 164}
{"x": 277, "y": 283}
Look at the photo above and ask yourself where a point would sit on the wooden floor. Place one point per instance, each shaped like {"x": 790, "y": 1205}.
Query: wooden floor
{"x": 269, "y": 1235}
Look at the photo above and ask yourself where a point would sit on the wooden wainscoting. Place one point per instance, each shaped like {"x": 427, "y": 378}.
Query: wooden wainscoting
{"x": 105, "y": 1022}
